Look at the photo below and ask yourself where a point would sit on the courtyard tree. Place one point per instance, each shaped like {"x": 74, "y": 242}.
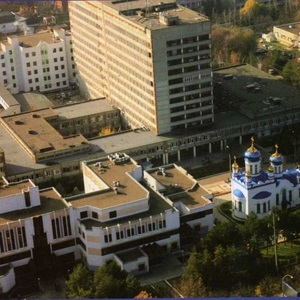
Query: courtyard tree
{"x": 112, "y": 282}
{"x": 79, "y": 284}
{"x": 108, "y": 281}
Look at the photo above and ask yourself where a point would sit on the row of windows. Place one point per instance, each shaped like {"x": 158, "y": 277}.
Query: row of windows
{"x": 12, "y": 239}
{"x": 136, "y": 230}
{"x": 61, "y": 227}
{"x": 193, "y": 68}
{"x": 188, "y": 40}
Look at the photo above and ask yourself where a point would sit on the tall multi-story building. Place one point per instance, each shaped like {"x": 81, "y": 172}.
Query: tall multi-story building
{"x": 37, "y": 62}
{"x": 151, "y": 59}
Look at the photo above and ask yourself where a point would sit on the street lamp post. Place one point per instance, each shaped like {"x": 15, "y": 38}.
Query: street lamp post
{"x": 274, "y": 237}
{"x": 294, "y": 143}
{"x": 229, "y": 162}
{"x": 283, "y": 282}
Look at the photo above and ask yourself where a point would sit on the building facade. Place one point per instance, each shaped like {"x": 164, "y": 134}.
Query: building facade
{"x": 288, "y": 34}
{"x": 37, "y": 62}
{"x": 152, "y": 61}
{"x": 124, "y": 212}
{"x": 259, "y": 191}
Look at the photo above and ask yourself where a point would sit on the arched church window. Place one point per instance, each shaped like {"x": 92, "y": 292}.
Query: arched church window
{"x": 258, "y": 208}
{"x": 284, "y": 195}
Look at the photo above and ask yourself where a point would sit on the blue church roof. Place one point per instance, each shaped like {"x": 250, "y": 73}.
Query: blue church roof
{"x": 238, "y": 193}
{"x": 262, "y": 195}
{"x": 291, "y": 176}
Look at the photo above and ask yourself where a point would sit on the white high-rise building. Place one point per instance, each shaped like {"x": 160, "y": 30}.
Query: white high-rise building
{"x": 151, "y": 59}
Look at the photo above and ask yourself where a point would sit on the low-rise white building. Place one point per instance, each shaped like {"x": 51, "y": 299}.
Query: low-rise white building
{"x": 125, "y": 214}
{"x": 37, "y": 62}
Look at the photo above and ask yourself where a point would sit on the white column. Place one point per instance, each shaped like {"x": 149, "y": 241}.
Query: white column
{"x": 209, "y": 148}
{"x": 221, "y": 145}
{"x": 195, "y": 151}
{"x": 178, "y": 155}
{"x": 241, "y": 140}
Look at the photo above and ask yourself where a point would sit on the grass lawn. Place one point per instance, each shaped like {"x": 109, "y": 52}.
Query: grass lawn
{"x": 285, "y": 251}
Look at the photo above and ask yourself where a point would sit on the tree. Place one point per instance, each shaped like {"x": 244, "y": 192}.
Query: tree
{"x": 112, "y": 282}
{"x": 291, "y": 72}
{"x": 232, "y": 45}
{"x": 108, "y": 281}
{"x": 192, "y": 286}
{"x": 143, "y": 295}
{"x": 79, "y": 284}
{"x": 251, "y": 9}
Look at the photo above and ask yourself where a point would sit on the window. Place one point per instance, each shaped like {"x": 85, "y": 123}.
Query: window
{"x": 54, "y": 50}
{"x": 83, "y": 214}
{"x": 240, "y": 206}
{"x": 57, "y": 76}
{"x": 35, "y": 63}
{"x": 26, "y": 54}
{"x": 12, "y": 69}
{"x": 4, "y": 73}
{"x": 258, "y": 208}
{"x": 60, "y": 49}
{"x": 63, "y": 74}
{"x": 56, "y": 68}
{"x": 94, "y": 215}
{"x": 62, "y": 59}
{"x": 35, "y": 71}
{"x": 36, "y": 80}
{"x": 264, "y": 207}
{"x": 3, "y": 65}
{"x": 28, "y": 64}
{"x": 29, "y": 73}
{"x": 33, "y": 54}
{"x": 30, "y": 80}
{"x": 62, "y": 67}
{"x": 55, "y": 59}
{"x": 112, "y": 214}
{"x": 107, "y": 238}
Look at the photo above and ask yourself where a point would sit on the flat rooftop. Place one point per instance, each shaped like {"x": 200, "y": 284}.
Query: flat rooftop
{"x": 38, "y": 135}
{"x": 128, "y": 191}
{"x": 127, "y": 141}
{"x": 180, "y": 187}
{"x": 151, "y": 17}
{"x": 7, "y": 96}
{"x": 86, "y": 108}
{"x": 293, "y": 28}
{"x": 50, "y": 201}
{"x": 32, "y": 40}
{"x": 157, "y": 205}
{"x": 255, "y": 93}
{"x": 14, "y": 188}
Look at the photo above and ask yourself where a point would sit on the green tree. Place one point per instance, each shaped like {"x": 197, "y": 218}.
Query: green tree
{"x": 291, "y": 72}
{"x": 252, "y": 9}
{"x": 232, "y": 44}
{"x": 79, "y": 284}
{"x": 112, "y": 282}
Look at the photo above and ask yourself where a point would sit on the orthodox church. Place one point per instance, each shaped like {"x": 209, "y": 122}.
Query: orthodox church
{"x": 258, "y": 191}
